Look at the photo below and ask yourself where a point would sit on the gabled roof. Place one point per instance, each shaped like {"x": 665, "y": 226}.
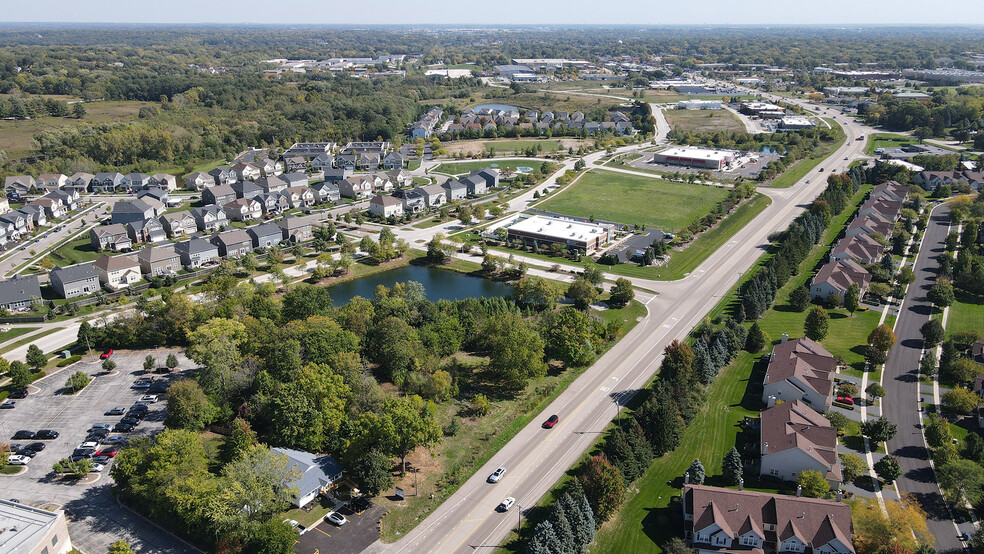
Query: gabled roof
{"x": 194, "y": 245}
{"x": 131, "y": 207}
{"x": 234, "y": 236}
{"x": 177, "y": 216}
{"x": 385, "y": 200}
{"x": 74, "y": 273}
{"x": 315, "y": 471}
{"x": 860, "y": 247}
{"x": 157, "y": 253}
{"x": 111, "y": 230}
{"x": 115, "y": 263}
{"x": 19, "y": 289}
{"x": 292, "y": 222}
{"x": 804, "y": 360}
{"x": 796, "y": 425}
{"x": 265, "y": 230}
{"x": 842, "y": 274}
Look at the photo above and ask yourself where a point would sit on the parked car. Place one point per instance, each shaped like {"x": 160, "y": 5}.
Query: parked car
{"x": 97, "y": 468}
{"x": 46, "y": 434}
{"x": 122, "y": 428}
{"x": 26, "y": 452}
{"x": 130, "y": 420}
{"x": 119, "y": 410}
{"x": 18, "y": 460}
{"x": 89, "y": 444}
{"x": 497, "y": 475}
{"x": 109, "y": 452}
{"x": 83, "y": 452}
{"x": 846, "y": 400}
{"x": 141, "y": 385}
{"x": 106, "y": 355}
{"x": 36, "y": 446}
{"x": 506, "y": 504}
{"x": 113, "y": 440}
{"x": 296, "y": 526}
{"x": 336, "y": 518}
{"x": 8, "y": 405}
{"x": 550, "y": 422}
{"x": 97, "y": 426}
{"x": 150, "y": 398}
{"x": 24, "y": 434}
{"x": 97, "y": 459}
{"x": 18, "y": 394}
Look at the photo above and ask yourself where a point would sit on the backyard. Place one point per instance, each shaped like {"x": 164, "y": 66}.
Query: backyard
{"x": 703, "y": 121}
{"x": 74, "y": 252}
{"x": 463, "y": 168}
{"x": 635, "y": 200}
{"x": 966, "y": 314}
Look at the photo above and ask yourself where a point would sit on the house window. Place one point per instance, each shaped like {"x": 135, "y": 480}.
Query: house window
{"x": 749, "y": 541}
{"x": 774, "y": 472}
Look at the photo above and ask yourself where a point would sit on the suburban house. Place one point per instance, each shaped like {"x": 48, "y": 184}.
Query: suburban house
{"x": 18, "y": 292}
{"x": 235, "y": 243}
{"x": 107, "y": 182}
{"x": 346, "y": 161}
{"x": 434, "y": 195}
{"x": 454, "y": 190}
{"x": 891, "y": 190}
{"x": 243, "y": 209}
{"x": 34, "y": 214}
{"x": 74, "y": 280}
{"x": 53, "y": 208}
{"x": 393, "y": 160}
{"x": 223, "y": 176}
{"x": 153, "y": 193}
{"x": 323, "y": 162}
{"x": 18, "y": 185}
{"x": 326, "y": 192}
{"x": 196, "y": 252}
{"x": 246, "y": 189}
{"x": 69, "y": 198}
{"x": 265, "y": 235}
{"x": 110, "y": 237}
{"x": 888, "y": 209}
{"x": 295, "y": 179}
{"x": 400, "y": 177}
{"x": 148, "y": 230}
{"x": 800, "y": 369}
{"x": 294, "y": 164}
{"x": 861, "y": 248}
{"x": 18, "y": 222}
{"x": 413, "y": 201}
{"x": 309, "y": 149}
{"x": 368, "y": 161}
{"x": 246, "y": 172}
{"x": 356, "y": 186}
{"x": 870, "y": 223}
{"x": 126, "y": 211}
{"x": 117, "y": 272}
{"x": 386, "y": 206}
{"x": 198, "y": 181}
{"x": 4, "y": 204}
{"x": 269, "y": 167}
{"x": 836, "y": 276}
{"x": 932, "y": 180}
{"x": 159, "y": 260}
{"x": 475, "y": 184}
{"x": 333, "y": 176}
{"x": 491, "y": 176}
{"x": 80, "y": 181}
{"x": 296, "y": 229}
{"x": 318, "y": 474}
{"x": 727, "y": 520}
{"x": 273, "y": 203}
{"x": 209, "y": 218}
{"x": 136, "y": 181}
{"x": 795, "y": 438}
{"x": 219, "y": 195}
{"x": 179, "y": 223}
{"x": 164, "y": 181}
{"x": 299, "y": 197}
{"x": 272, "y": 183}
{"x": 51, "y": 181}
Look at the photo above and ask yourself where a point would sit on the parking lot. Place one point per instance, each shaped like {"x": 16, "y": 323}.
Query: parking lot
{"x": 94, "y": 518}
{"x": 355, "y": 536}
{"x": 748, "y": 166}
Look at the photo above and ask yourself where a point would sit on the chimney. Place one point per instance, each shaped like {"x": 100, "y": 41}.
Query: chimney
{"x": 799, "y": 490}
{"x": 686, "y": 478}
{"x": 840, "y": 495}
{"x": 765, "y": 446}
{"x": 741, "y": 484}
{"x": 771, "y": 401}
{"x": 785, "y": 337}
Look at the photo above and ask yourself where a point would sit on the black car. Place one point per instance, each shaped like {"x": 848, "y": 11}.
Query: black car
{"x": 130, "y": 420}
{"x": 26, "y": 452}
{"x": 77, "y": 458}
{"x": 139, "y": 414}
{"x": 84, "y": 452}
{"x": 36, "y": 446}
{"x": 99, "y": 433}
{"x": 46, "y": 434}
{"x": 24, "y": 434}
{"x": 8, "y": 405}
{"x": 122, "y": 428}
{"x": 94, "y": 438}
{"x": 19, "y": 393}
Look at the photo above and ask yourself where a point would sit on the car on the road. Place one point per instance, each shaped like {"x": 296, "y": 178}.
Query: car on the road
{"x": 18, "y": 460}
{"x": 551, "y": 421}
{"x": 36, "y": 446}
{"x": 497, "y": 475}
{"x": 106, "y": 355}
{"x": 8, "y": 405}
{"x": 122, "y": 428}
{"x": 506, "y": 504}
{"x": 150, "y": 398}
{"x": 119, "y": 410}
{"x": 18, "y": 394}
{"x": 336, "y": 518}
{"x": 46, "y": 434}
{"x": 24, "y": 434}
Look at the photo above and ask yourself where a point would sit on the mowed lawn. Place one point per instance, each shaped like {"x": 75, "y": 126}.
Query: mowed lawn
{"x": 462, "y": 168}
{"x": 703, "y": 121}
{"x": 635, "y": 200}
{"x": 966, "y": 314}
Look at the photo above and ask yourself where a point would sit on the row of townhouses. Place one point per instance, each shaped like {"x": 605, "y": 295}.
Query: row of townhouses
{"x": 422, "y": 198}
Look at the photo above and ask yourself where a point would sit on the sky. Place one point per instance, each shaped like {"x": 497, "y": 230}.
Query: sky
{"x": 470, "y": 12}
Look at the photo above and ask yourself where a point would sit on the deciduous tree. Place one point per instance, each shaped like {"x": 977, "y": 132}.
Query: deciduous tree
{"x": 813, "y": 484}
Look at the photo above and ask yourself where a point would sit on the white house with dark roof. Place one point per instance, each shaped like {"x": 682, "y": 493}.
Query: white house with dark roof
{"x": 243, "y": 209}
{"x": 110, "y": 237}
{"x": 209, "y": 218}
{"x": 795, "y": 438}
{"x": 800, "y": 369}
{"x": 317, "y": 474}
{"x": 198, "y": 181}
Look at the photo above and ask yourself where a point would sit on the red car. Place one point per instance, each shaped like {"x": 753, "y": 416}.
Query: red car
{"x": 550, "y": 422}
{"x": 106, "y": 355}
{"x": 108, "y": 452}
{"x": 846, "y": 400}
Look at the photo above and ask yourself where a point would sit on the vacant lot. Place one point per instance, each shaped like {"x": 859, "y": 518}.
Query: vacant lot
{"x": 463, "y": 168}
{"x": 507, "y": 146}
{"x": 75, "y": 252}
{"x": 634, "y": 200}
{"x": 16, "y": 135}
{"x": 703, "y": 121}
{"x": 887, "y": 140}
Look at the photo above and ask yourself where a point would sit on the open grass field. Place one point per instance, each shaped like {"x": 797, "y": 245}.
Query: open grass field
{"x": 634, "y": 199}
{"x": 16, "y": 135}
{"x": 799, "y": 169}
{"x": 15, "y": 332}
{"x": 512, "y": 146}
{"x": 75, "y": 252}
{"x": 887, "y": 140}
{"x": 703, "y": 121}
{"x": 463, "y": 168}
{"x": 966, "y": 314}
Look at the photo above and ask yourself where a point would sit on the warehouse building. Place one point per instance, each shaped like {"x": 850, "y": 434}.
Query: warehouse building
{"x": 795, "y": 123}
{"x": 576, "y": 235}
{"x": 698, "y": 104}
{"x": 701, "y": 158}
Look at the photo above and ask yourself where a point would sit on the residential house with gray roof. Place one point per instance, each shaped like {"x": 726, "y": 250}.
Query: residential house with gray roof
{"x": 198, "y": 181}
{"x": 265, "y": 235}
{"x": 234, "y": 243}
{"x": 126, "y": 211}
{"x": 454, "y": 190}
{"x": 178, "y": 223}
{"x": 316, "y": 474}
{"x": 296, "y": 229}
{"x": 74, "y": 280}
{"x": 148, "y": 230}
{"x": 209, "y": 218}
{"x": 243, "y": 209}
{"x": 157, "y": 261}
{"x": 18, "y": 292}
{"x": 107, "y": 182}
{"x": 246, "y": 189}
{"x": 197, "y": 252}
{"x": 218, "y": 195}
{"x": 110, "y": 237}
{"x": 326, "y": 192}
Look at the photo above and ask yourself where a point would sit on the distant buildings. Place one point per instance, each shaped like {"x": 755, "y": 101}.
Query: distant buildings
{"x": 697, "y": 104}
{"x": 701, "y": 158}
{"x": 575, "y": 235}
{"x": 26, "y": 529}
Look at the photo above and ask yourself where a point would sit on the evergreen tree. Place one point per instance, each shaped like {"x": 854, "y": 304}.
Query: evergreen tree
{"x": 703, "y": 364}
{"x": 756, "y": 339}
{"x": 662, "y": 425}
{"x": 619, "y": 453}
{"x": 544, "y": 540}
{"x": 732, "y": 466}
{"x": 817, "y": 324}
{"x": 587, "y": 530}
{"x": 566, "y": 539}
{"x": 697, "y": 473}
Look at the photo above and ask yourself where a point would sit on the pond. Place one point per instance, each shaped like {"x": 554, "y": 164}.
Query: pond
{"x": 438, "y": 284}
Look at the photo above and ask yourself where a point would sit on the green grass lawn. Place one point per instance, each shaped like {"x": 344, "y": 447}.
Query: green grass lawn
{"x": 463, "y": 168}
{"x": 966, "y": 314}
{"x": 799, "y": 169}
{"x": 703, "y": 121}
{"x": 16, "y": 332}
{"x": 74, "y": 252}
{"x": 634, "y": 199}
{"x": 887, "y": 140}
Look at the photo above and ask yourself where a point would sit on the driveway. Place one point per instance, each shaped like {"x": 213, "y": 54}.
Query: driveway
{"x": 95, "y": 519}
{"x": 355, "y": 536}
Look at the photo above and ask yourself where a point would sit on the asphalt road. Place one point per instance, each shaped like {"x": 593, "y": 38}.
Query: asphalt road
{"x": 536, "y": 458}
{"x": 901, "y": 382}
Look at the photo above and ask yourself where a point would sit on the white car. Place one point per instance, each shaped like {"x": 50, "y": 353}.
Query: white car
{"x": 18, "y": 460}
{"x": 506, "y": 504}
{"x": 497, "y": 475}
{"x": 150, "y": 398}
{"x": 336, "y": 518}
{"x": 91, "y": 444}
{"x": 97, "y": 468}
{"x": 295, "y": 525}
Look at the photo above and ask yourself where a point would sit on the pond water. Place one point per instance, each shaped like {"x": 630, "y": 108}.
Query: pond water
{"x": 438, "y": 284}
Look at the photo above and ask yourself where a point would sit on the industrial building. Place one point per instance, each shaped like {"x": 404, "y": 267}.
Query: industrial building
{"x": 795, "y": 123}
{"x": 698, "y": 104}
{"x": 762, "y": 109}
{"x": 701, "y": 158}
{"x": 576, "y": 235}
{"x": 32, "y": 530}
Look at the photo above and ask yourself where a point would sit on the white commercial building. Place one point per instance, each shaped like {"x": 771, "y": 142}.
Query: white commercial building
{"x": 576, "y": 235}
{"x": 702, "y": 158}
{"x": 756, "y": 107}
{"x": 795, "y": 123}
{"x": 698, "y": 104}
{"x": 28, "y": 530}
